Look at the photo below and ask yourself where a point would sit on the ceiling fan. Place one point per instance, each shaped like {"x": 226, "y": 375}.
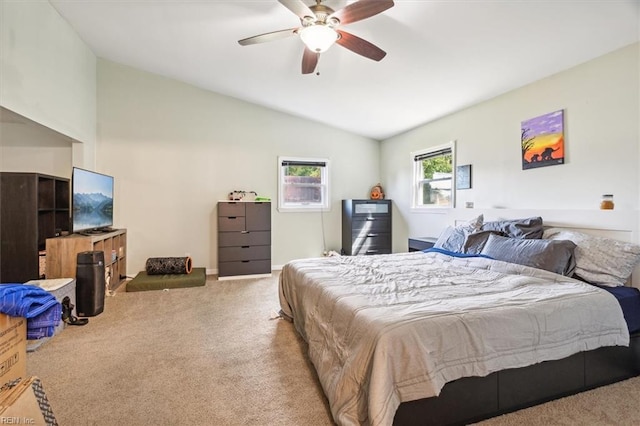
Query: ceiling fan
{"x": 319, "y": 30}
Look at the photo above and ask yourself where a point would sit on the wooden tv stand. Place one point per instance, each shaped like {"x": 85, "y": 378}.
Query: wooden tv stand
{"x": 62, "y": 254}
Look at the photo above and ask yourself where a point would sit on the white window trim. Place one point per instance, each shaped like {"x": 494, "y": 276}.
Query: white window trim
{"x": 416, "y": 174}
{"x": 300, "y": 207}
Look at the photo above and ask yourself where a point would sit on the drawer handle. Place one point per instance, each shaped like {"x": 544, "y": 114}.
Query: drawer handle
{"x": 245, "y": 246}
{"x": 245, "y": 261}
{"x": 371, "y": 218}
{"x": 244, "y": 232}
{"x": 372, "y": 235}
{"x": 372, "y": 251}
{"x": 232, "y": 217}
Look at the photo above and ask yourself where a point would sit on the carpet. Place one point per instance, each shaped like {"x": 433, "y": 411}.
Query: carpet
{"x": 213, "y": 355}
{"x": 145, "y": 282}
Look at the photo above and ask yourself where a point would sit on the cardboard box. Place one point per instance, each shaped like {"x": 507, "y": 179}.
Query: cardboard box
{"x": 25, "y": 403}
{"x": 13, "y": 348}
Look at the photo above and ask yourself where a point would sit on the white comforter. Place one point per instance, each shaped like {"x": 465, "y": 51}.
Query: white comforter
{"x": 392, "y": 328}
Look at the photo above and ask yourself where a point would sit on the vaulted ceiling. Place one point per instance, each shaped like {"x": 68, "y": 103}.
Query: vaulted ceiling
{"x": 442, "y": 56}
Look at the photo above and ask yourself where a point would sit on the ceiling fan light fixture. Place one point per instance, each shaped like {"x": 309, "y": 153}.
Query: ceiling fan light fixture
{"x": 318, "y": 37}
{"x": 318, "y": 29}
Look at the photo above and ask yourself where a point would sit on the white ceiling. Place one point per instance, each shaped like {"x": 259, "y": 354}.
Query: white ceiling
{"x": 442, "y": 56}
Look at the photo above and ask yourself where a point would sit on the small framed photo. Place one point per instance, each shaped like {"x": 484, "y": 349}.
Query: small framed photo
{"x": 463, "y": 177}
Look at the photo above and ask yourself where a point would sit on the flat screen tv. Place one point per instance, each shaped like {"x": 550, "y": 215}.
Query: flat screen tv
{"x": 92, "y": 201}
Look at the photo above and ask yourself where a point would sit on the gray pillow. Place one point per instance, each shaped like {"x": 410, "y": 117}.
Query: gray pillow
{"x": 551, "y": 255}
{"x": 517, "y": 228}
{"x": 474, "y": 243}
{"x": 453, "y": 238}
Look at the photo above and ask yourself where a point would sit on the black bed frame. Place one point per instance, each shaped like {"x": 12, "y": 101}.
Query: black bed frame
{"x": 472, "y": 399}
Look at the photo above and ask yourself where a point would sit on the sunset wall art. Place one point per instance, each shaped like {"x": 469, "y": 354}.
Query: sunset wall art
{"x": 542, "y": 140}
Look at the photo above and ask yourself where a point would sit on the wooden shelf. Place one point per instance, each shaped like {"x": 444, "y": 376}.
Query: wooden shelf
{"x": 62, "y": 255}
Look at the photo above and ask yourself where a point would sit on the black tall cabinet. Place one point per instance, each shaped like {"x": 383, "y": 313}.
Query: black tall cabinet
{"x": 366, "y": 227}
{"x": 33, "y": 207}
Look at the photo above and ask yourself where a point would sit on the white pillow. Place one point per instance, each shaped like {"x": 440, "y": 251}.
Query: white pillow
{"x": 473, "y": 225}
{"x": 599, "y": 260}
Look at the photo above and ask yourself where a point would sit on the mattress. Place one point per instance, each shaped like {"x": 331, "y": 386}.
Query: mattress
{"x": 393, "y": 328}
{"x": 629, "y": 299}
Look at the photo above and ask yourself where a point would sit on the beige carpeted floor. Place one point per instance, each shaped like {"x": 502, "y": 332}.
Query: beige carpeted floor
{"x": 212, "y": 355}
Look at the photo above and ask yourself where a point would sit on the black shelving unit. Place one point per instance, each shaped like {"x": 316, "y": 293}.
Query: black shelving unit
{"x": 33, "y": 207}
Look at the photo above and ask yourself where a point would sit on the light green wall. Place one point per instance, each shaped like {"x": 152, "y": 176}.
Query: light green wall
{"x": 47, "y": 74}
{"x": 175, "y": 150}
{"x": 26, "y": 146}
{"x": 601, "y": 104}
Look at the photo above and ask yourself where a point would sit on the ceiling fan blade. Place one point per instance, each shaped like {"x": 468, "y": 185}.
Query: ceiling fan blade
{"x": 262, "y": 38}
{"x": 309, "y": 61}
{"x": 298, "y": 7}
{"x": 361, "y": 10}
{"x": 360, "y": 46}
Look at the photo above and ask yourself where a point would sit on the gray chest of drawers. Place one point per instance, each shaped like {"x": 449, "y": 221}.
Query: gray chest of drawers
{"x": 244, "y": 238}
{"x": 366, "y": 227}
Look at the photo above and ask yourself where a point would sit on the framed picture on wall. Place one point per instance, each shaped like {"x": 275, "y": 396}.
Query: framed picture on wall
{"x": 463, "y": 177}
{"x": 542, "y": 140}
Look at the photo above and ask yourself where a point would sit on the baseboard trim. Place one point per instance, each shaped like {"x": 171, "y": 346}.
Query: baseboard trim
{"x": 274, "y": 268}
{"x": 244, "y": 277}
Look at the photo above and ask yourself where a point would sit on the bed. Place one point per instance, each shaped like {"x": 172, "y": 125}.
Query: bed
{"x": 455, "y": 336}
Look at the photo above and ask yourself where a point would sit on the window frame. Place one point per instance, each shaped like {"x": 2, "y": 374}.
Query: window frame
{"x": 417, "y": 179}
{"x": 325, "y": 185}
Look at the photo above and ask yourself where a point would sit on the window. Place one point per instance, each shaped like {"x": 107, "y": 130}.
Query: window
{"x": 433, "y": 177}
{"x": 303, "y": 184}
